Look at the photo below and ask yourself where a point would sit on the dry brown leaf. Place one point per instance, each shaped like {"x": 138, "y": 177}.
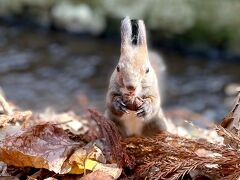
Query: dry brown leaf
{"x": 15, "y": 116}
{"x": 69, "y": 120}
{"x": 110, "y": 169}
{"x": 91, "y": 158}
{"x": 7, "y": 114}
{"x": 97, "y": 175}
{"x": 80, "y": 165}
{"x": 41, "y": 146}
{"x": 8, "y": 131}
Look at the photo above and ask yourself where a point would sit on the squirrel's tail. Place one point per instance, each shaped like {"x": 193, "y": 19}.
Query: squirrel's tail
{"x": 166, "y": 123}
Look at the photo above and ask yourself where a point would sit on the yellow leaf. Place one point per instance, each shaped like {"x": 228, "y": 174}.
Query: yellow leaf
{"x": 91, "y": 164}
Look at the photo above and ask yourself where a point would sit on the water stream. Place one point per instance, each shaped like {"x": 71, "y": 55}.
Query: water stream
{"x": 40, "y": 69}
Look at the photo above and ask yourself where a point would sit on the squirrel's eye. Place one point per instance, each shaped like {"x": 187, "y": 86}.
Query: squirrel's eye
{"x": 118, "y": 68}
{"x": 147, "y": 70}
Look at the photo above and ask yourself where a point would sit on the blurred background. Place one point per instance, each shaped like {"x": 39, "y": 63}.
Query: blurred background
{"x": 61, "y": 53}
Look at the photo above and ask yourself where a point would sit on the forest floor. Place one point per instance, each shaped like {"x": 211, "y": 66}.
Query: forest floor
{"x": 68, "y": 146}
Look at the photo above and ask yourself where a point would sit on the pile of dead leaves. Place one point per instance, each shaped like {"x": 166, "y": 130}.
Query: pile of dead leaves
{"x": 64, "y": 146}
{"x": 51, "y": 145}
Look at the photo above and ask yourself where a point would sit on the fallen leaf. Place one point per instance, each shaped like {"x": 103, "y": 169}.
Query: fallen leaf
{"x": 15, "y": 116}
{"x": 9, "y": 130}
{"x": 66, "y": 120}
{"x": 92, "y": 165}
{"x": 41, "y": 146}
{"x": 97, "y": 175}
{"x": 91, "y": 158}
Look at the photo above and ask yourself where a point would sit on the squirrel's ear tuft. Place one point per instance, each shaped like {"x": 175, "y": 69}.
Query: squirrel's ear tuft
{"x": 126, "y": 31}
{"x": 133, "y": 33}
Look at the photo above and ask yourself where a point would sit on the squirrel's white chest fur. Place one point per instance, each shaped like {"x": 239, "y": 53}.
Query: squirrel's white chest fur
{"x": 133, "y": 124}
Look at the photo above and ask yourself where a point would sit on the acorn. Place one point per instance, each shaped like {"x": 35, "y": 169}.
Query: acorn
{"x": 132, "y": 102}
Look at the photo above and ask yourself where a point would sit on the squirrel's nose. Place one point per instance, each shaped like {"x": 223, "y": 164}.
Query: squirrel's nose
{"x": 131, "y": 88}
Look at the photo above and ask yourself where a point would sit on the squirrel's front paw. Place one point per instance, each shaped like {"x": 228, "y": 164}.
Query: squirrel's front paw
{"x": 144, "y": 109}
{"x": 119, "y": 106}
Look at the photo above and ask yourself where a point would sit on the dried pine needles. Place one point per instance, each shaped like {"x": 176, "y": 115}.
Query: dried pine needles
{"x": 168, "y": 156}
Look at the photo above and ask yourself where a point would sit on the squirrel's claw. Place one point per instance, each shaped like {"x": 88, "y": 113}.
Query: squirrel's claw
{"x": 144, "y": 109}
{"x": 141, "y": 113}
{"x": 119, "y": 105}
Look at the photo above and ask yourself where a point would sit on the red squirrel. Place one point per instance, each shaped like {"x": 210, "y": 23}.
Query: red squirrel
{"x": 133, "y": 97}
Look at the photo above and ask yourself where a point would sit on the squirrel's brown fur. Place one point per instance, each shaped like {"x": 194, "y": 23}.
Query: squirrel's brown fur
{"x": 134, "y": 77}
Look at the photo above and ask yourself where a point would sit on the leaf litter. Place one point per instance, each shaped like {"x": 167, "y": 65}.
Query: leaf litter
{"x": 64, "y": 145}
{"x": 41, "y": 146}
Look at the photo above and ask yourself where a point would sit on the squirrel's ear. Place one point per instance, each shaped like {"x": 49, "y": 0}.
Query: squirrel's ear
{"x": 133, "y": 33}
{"x": 142, "y": 37}
{"x": 126, "y": 31}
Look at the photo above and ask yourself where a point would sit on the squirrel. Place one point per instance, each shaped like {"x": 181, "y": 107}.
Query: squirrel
{"x": 133, "y": 98}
